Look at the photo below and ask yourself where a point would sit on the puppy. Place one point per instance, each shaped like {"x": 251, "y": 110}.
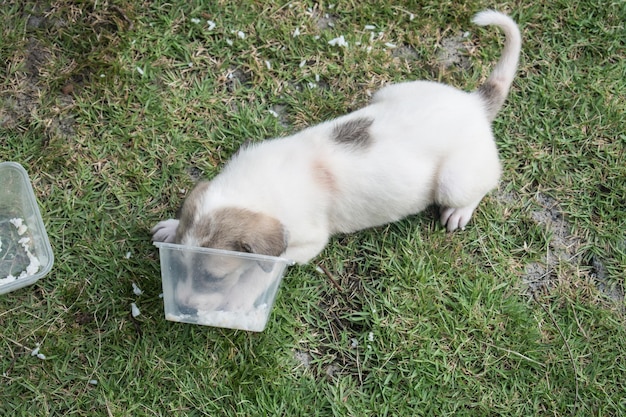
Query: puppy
{"x": 417, "y": 143}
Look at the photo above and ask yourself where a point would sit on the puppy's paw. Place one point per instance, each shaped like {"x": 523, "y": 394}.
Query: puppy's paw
{"x": 456, "y": 218}
{"x": 165, "y": 231}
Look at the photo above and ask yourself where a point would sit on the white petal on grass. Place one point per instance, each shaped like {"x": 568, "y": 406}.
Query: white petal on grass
{"x": 390, "y": 45}
{"x": 134, "y": 310}
{"x": 195, "y": 20}
{"x": 241, "y": 35}
{"x": 35, "y": 352}
{"x": 140, "y": 70}
{"x": 296, "y": 32}
{"x": 211, "y": 24}
{"x": 339, "y": 41}
{"x": 136, "y": 289}
{"x": 369, "y": 27}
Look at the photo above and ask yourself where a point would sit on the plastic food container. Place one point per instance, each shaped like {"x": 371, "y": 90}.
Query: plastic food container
{"x": 219, "y": 288}
{"x": 25, "y": 252}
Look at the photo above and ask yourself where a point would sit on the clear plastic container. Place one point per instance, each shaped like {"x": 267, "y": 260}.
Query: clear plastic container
{"x": 219, "y": 288}
{"x": 25, "y": 252}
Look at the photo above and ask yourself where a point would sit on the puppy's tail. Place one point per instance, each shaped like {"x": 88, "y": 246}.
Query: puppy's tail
{"x": 494, "y": 91}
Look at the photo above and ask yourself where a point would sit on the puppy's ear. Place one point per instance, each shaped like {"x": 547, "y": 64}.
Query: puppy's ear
{"x": 268, "y": 237}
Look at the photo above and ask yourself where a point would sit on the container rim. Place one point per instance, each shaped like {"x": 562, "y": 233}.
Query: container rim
{"x": 222, "y": 252}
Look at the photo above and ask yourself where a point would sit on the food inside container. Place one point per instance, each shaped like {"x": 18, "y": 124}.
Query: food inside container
{"x": 219, "y": 288}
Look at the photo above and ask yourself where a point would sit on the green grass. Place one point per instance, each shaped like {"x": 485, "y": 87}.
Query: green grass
{"x": 426, "y": 323}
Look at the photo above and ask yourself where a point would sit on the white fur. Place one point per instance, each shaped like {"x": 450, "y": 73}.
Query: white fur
{"x": 430, "y": 143}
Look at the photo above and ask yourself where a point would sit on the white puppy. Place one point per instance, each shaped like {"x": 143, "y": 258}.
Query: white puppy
{"x": 416, "y": 144}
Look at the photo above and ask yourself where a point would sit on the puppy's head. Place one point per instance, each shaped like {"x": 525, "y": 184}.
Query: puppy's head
{"x": 227, "y": 228}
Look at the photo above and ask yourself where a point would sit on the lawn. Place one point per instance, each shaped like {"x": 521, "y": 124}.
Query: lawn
{"x": 115, "y": 108}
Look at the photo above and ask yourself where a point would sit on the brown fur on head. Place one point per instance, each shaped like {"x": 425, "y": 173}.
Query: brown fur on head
{"x": 229, "y": 228}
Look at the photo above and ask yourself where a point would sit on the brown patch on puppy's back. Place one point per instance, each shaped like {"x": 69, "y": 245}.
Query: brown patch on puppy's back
{"x": 324, "y": 176}
{"x": 354, "y": 132}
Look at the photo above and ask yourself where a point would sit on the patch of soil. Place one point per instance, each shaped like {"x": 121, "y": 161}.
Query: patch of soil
{"x": 280, "y": 111}
{"x": 562, "y": 248}
{"x": 237, "y": 77}
{"x": 406, "y": 52}
{"x": 454, "y": 52}
{"x": 564, "y": 252}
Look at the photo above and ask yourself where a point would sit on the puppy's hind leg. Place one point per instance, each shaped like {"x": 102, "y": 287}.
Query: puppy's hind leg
{"x": 463, "y": 181}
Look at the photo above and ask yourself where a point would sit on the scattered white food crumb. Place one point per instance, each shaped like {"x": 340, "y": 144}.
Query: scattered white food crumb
{"x": 211, "y": 24}
{"x": 273, "y": 113}
{"x": 190, "y": 64}
{"x": 312, "y": 85}
{"x": 35, "y": 352}
{"x": 102, "y": 75}
{"x": 370, "y": 336}
{"x": 241, "y": 35}
{"x": 369, "y": 27}
{"x": 128, "y": 255}
{"x": 136, "y": 289}
{"x": 296, "y": 32}
{"x": 340, "y": 41}
{"x": 195, "y": 20}
{"x": 411, "y": 16}
{"x": 466, "y": 34}
{"x": 19, "y": 225}
{"x": 16, "y": 221}
{"x": 302, "y": 63}
{"x": 134, "y": 310}
{"x": 317, "y": 78}
{"x": 319, "y": 269}
{"x": 229, "y": 42}
{"x": 268, "y": 64}
{"x": 355, "y": 343}
{"x": 93, "y": 382}
{"x": 140, "y": 70}
{"x": 316, "y": 37}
